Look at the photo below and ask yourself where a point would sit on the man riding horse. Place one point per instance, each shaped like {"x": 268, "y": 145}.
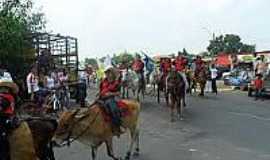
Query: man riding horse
{"x": 181, "y": 65}
{"x": 8, "y": 121}
{"x": 109, "y": 90}
{"x": 200, "y": 75}
{"x": 138, "y": 67}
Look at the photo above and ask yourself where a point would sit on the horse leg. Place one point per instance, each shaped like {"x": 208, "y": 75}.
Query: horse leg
{"x": 158, "y": 95}
{"x": 94, "y": 152}
{"x": 137, "y": 149}
{"x": 109, "y": 146}
{"x": 172, "y": 109}
{"x": 127, "y": 93}
{"x": 166, "y": 98}
{"x": 180, "y": 107}
{"x": 134, "y": 134}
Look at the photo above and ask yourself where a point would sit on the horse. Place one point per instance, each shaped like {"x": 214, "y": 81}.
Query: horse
{"x": 21, "y": 144}
{"x": 91, "y": 128}
{"x": 31, "y": 140}
{"x": 175, "y": 86}
{"x": 135, "y": 82}
{"x": 201, "y": 79}
{"x": 161, "y": 83}
{"x": 127, "y": 83}
{"x": 153, "y": 80}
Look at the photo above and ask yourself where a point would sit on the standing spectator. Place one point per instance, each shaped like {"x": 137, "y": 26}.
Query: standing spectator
{"x": 49, "y": 81}
{"x": 258, "y": 87}
{"x": 82, "y": 88}
{"x": 208, "y": 86}
{"x": 214, "y": 74}
{"x": 32, "y": 83}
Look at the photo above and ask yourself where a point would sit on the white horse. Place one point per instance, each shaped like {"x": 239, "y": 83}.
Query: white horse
{"x": 153, "y": 81}
{"x": 131, "y": 80}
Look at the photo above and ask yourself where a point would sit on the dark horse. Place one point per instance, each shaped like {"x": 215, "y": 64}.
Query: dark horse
{"x": 201, "y": 78}
{"x": 42, "y": 130}
{"x": 32, "y": 140}
{"x": 176, "y": 91}
{"x": 161, "y": 84}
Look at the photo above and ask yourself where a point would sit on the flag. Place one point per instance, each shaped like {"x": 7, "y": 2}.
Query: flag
{"x": 108, "y": 61}
{"x": 149, "y": 63}
{"x": 100, "y": 70}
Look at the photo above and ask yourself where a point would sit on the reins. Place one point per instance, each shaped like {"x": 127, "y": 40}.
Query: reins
{"x": 69, "y": 141}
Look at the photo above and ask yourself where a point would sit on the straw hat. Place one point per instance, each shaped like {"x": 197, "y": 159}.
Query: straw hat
{"x": 8, "y": 82}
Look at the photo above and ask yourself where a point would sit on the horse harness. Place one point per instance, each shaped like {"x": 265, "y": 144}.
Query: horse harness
{"x": 68, "y": 140}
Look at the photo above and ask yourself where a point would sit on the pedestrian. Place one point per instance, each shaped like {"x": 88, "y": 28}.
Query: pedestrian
{"x": 82, "y": 88}
{"x": 32, "y": 83}
{"x": 208, "y": 86}
{"x": 214, "y": 74}
{"x": 259, "y": 83}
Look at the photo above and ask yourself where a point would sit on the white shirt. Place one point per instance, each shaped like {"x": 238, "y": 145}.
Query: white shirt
{"x": 50, "y": 82}
{"x": 214, "y": 73}
{"x": 32, "y": 83}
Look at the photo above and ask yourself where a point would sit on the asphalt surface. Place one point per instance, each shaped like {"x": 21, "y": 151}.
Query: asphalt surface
{"x": 229, "y": 126}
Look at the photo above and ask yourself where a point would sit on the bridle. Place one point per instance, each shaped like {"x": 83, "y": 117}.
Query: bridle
{"x": 67, "y": 141}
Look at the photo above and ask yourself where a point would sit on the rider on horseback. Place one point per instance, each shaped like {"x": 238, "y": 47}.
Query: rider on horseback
{"x": 109, "y": 90}
{"x": 138, "y": 66}
{"x": 8, "y": 121}
{"x": 199, "y": 65}
{"x": 166, "y": 66}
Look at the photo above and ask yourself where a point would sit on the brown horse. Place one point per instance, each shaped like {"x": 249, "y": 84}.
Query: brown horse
{"x": 21, "y": 144}
{"x": 176, "y": 91}
{"x": 162, "y": 88}
{"x": 32, "y": 140}
{"x": 42, "y": 130}
{"x": 91, "y": 128}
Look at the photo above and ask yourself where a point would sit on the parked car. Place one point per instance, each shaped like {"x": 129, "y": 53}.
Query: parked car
{"x": 237, "y": 78}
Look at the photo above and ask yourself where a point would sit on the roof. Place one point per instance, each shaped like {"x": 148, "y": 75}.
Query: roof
{"x": 223, "y": 60}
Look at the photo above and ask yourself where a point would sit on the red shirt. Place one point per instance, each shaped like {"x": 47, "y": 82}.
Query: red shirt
{"x": 258, "y": 83}
{"x": 10, "y": 109}
{"x": 199, "y": 63}
{"x": 180, "y": 64}
{"x": 166, "y": 66}
{"x": 138, "y": 65}
{"x": 106, "y": 86}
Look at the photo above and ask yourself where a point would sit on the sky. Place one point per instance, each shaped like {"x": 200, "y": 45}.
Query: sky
{"x": 157, "y": 26}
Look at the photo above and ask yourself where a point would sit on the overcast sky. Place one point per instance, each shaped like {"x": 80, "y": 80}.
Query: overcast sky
{"x": 164, "y": 26}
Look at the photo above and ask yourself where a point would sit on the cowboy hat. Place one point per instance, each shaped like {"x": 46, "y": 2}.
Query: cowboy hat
{"x": 9, "y": 84}
{"x": 108, "y": 68}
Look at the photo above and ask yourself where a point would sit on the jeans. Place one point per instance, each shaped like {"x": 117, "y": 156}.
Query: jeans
{"x": 258, "y": 93}
{"x": 111, "y": 106}
{"x": 214, "y": 85}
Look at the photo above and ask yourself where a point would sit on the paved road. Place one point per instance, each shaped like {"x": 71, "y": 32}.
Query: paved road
{"x": 229, "y": 126}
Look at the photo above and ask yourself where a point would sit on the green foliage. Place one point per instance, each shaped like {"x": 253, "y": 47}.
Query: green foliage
{"x": 17, "y": 21}
{"x": 123, "y": 58}
{"x": 91, "y": 61}
{"x": 229, "y": 43}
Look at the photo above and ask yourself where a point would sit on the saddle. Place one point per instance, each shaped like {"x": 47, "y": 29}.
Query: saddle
{"x": 122, "y": 106}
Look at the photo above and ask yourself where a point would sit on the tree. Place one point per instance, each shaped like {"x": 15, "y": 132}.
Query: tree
{"x": 123, "y": 58}
{"x": 229, "y": 43}
{"x": 248, "y": 48}
{"x": 17, "y": 22}
{"x": 91, "y": 61}
{"x": 204, "y": 54}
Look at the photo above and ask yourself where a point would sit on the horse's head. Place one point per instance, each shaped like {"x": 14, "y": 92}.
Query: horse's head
{"x": 65, "y": 126}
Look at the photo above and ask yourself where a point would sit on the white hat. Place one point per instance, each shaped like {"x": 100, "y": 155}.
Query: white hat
{"x": 6, "y": 81}
{"x": 108, "y": 68}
